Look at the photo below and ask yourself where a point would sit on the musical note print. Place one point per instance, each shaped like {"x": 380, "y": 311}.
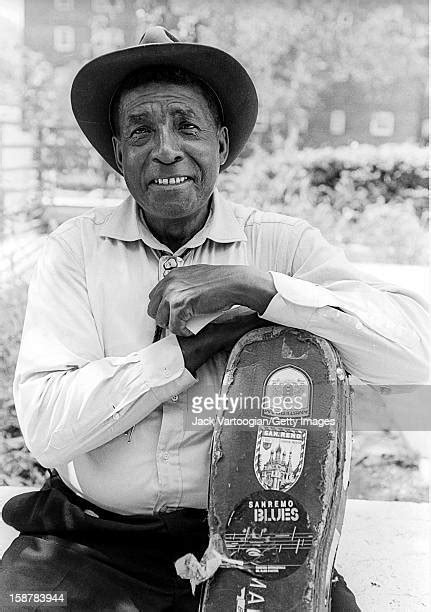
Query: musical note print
{"x": 266, "y": 546}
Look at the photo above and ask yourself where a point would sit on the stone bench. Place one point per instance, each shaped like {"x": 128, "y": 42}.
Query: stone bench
{"x": 384, "y": 552}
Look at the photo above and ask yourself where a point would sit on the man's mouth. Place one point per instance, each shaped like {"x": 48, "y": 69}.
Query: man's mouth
{"x": 171, "y": 180}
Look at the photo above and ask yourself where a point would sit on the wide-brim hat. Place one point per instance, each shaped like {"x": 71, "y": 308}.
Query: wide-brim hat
{"x": 97, "y": 81}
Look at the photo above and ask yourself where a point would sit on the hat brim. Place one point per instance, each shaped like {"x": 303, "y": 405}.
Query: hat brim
{"x": 97, "y": 81}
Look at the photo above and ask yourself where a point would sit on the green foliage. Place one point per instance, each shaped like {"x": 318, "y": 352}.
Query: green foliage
{"x": 17, "y": 467}
{"x": 296, "y": 50}
{"x": 12, "y": 307}
{"x": 372, "y": 201}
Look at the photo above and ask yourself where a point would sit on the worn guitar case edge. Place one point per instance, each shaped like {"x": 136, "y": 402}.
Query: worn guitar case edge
{"x": 314, "y": 579}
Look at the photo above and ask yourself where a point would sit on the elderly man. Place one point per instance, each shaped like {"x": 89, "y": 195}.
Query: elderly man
{"x": 108, "y": 354}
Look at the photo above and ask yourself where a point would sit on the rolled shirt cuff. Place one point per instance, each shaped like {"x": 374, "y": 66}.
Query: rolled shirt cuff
{"x": 296, "y": 301}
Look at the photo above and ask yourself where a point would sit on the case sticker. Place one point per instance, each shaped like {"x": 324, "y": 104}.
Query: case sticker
{"x": 270, "y": 532}
{"x": 279, "y": 457}
{"x": 287, "y": 392}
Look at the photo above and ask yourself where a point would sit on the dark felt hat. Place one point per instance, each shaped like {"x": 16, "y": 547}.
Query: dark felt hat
{"x": 97, "y": 81}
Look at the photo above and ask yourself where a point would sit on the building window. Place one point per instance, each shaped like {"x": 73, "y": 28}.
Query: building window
{"x": 303, "y": 123}
{"x": 63, "y": 5}
{"x": 425, "y": 128}
{"x": 107, "y": 5}
{"x": 382, "y": 124}
{"x": 64, "y": 39}
{"x": 337, "y": 123}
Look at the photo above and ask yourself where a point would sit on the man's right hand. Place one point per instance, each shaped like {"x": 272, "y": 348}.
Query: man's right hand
{"x": 221, "y": 335}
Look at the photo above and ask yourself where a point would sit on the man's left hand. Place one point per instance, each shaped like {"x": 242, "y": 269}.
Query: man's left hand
{"x": 204, "y": 289}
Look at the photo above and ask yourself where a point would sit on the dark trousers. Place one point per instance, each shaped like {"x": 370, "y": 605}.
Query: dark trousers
{"x": 108, "y": 561}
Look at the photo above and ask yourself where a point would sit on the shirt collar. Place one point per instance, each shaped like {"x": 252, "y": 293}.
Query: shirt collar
{"x": 125, "y": 223}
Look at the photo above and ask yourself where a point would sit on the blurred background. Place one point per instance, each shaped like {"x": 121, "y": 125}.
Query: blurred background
{"x": 341, "y": 140}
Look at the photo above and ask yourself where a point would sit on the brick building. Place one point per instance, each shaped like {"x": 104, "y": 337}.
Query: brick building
{"x": 346, "y": 113}
{"x": 68, "y": 32}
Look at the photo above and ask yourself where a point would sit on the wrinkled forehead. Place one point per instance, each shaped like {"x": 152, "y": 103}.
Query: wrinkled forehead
{"x": 164, "y": 97}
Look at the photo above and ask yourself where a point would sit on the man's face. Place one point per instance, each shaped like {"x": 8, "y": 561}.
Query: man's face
{"x": 169, "y": 148}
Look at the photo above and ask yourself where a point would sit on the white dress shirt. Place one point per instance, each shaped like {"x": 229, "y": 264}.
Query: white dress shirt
{"x": 88, "y": 372}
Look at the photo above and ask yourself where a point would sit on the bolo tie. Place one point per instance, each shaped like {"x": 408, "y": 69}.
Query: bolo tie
{"x": 166, "y": 264}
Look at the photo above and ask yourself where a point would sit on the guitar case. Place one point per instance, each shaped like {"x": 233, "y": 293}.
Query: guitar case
{"x": 279, "y": 474}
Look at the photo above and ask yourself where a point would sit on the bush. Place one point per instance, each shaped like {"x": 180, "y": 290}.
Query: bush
{"x": 372, "y": 201}
{"x": 17, "y": 467}
{"x": 384, "y": 174}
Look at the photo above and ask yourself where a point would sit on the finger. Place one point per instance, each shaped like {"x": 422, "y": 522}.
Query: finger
{"x": 163, "y": 314}
{"x": 178, "y": 320}
{"x": 179, "y": 328}
{"x": 158, "y": 286}
{"x": 184, "y": 332}
{"x": 159, "y": 291}
{"x": 156, "y": 295}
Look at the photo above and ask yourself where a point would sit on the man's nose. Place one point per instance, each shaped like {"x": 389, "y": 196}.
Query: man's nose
{"x": 167, "y": 149}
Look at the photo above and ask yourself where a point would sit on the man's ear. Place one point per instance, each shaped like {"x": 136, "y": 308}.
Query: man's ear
{"x": 118, "y": 152}
{"x": 223, "y": 144}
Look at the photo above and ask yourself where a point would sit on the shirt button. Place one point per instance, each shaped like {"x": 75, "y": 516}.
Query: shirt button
{"x": 166, "y": 456}
{"x": 166, "y": 372}
{"x": 116, "y": 416}
{"x": 174, "y": 398}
